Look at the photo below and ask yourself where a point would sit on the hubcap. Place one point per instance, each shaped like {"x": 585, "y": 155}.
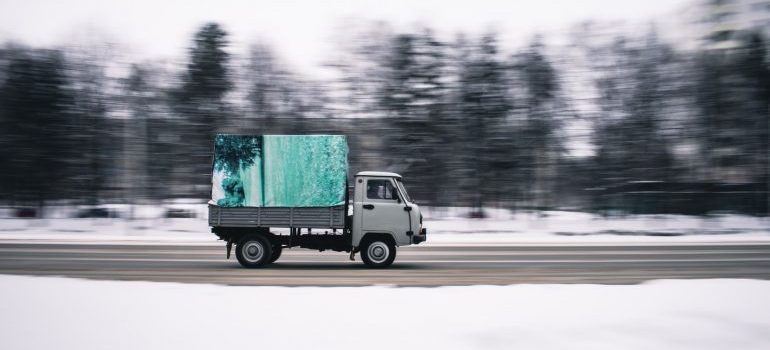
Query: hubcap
{"x": 252, "y": 251}
{"x": 378, "y": 252}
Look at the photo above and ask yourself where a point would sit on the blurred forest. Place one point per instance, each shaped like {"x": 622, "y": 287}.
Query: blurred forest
{"x": 607, "y": 122}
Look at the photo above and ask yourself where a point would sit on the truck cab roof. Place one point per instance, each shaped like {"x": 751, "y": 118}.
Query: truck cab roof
{"x": 378, "y": 173}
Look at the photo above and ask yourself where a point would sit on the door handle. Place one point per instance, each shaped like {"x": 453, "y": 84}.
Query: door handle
{"x": 369, "y": 206}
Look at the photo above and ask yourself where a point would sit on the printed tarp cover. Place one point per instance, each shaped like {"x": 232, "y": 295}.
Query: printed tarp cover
{"x": 279, "y": 170}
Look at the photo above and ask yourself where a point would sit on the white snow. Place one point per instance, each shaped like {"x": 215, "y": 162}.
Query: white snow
{"x": 445, "y": 226}
{"x": 61, "y": 313}
{"x": 452, "y": 220}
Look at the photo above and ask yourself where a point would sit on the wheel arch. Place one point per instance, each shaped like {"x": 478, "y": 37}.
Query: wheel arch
{"x": 235, "y": 234}
{"x": 385, "y": 236}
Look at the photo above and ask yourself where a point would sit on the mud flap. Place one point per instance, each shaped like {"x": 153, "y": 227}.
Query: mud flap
{"x": 229, "y": 248}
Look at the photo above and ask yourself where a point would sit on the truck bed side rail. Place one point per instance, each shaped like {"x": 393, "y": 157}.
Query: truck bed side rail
{"x": 312, "y": 217}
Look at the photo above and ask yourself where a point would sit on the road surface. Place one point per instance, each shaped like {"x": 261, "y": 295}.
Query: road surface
{"x": 415, "y": 266}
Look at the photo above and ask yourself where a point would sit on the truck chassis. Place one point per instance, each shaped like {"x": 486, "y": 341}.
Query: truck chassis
{"x": 238, "y": 225}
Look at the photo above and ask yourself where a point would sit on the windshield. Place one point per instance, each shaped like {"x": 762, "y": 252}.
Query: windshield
{"x": 402, "y": 189}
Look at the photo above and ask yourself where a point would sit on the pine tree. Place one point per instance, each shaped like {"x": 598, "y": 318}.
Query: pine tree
{"x": 207, "y": 77}
{"x": 200, "y": 102}
{"x": 412, "y": 97}
{"x": 539, "y": 145}
{"x": 36, "y": 137}
{"x": 732, "y": 98}
{"x": 485, "y": 104}
{"x": 631, "y": 142}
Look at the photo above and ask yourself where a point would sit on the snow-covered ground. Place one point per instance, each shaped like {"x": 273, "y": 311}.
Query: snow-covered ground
{"x": 445, "y": 226}
{"x": 60, "y": 313}
{"x": 506, "y": 227}
{"x": 566, "y": 223}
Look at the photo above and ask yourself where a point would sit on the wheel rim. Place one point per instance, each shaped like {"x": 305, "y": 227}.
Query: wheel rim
{"x": 378, "y": 252}
{"x": 253, "y": 251}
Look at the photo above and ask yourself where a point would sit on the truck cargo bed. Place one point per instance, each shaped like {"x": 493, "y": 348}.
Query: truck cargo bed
{"x": 312, "y": 217}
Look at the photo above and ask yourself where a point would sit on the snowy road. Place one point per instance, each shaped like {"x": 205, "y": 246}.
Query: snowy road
{"x": 415, "y": 266}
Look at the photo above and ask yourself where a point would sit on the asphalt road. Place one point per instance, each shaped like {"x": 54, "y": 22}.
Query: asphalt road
{"x": 415, "y": 266}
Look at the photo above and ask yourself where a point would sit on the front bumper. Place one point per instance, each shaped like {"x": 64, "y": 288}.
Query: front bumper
{"x": 417, "y": 239}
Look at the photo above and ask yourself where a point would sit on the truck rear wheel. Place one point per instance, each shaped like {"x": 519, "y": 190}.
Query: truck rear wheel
{"x": 378, "y": 253}
{"x": 277, "y": 249}
{"x": 254, "y": 251}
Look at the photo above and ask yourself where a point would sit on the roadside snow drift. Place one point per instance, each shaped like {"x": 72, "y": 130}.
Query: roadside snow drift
{"x": 445, "y": 226}
{"x": 59, "y": 313}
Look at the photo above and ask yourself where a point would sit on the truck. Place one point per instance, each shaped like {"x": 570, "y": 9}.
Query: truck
{"x": 273, "y": 192}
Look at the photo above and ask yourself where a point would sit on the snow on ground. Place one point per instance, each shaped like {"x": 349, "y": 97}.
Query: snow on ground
{"x": 445, "y": 226}
{"x": 566, "y": 223}
{"x": 60, "y": 313}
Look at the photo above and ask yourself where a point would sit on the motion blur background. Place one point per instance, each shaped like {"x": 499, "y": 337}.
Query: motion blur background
{"x": 661, "y": 113}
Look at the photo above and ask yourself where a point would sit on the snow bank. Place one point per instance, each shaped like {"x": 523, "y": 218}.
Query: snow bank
{"x": 445, "y": 226}
{"x": 59, "y": 313}
{"x": 567, "y": 223}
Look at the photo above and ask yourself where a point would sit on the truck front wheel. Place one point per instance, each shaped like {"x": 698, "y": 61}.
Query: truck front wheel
{"x": 254, "y": 251}
{"x": 378, "y": 253}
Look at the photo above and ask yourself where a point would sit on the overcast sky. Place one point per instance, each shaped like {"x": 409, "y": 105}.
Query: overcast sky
{"x": 301, "y": 31}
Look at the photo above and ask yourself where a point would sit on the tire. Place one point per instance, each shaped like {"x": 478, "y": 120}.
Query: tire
{"x": 253, "y": 251}
{"x": 378, "y": 253}
{"x": 277, "y": 249}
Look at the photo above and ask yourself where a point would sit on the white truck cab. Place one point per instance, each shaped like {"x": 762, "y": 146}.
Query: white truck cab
{"x": 384, "y": 217}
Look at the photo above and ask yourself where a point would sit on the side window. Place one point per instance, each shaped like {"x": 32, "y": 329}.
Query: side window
{"x": 380, "y": 189}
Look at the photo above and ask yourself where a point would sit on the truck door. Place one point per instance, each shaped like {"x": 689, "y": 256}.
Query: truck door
{"x": 383, "y": 211}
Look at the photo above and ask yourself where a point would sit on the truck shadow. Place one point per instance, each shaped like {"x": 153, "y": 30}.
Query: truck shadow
{"x": 335, "y": 266}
